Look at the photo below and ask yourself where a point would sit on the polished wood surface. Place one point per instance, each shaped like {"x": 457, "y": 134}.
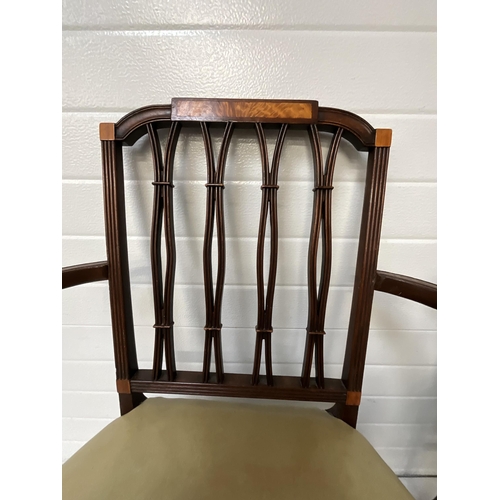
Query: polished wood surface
{"x": 383, "y": 137}
{"x": 321, "y": 225}
{"x": 84, "y": 273}
{"x": 269, "y": 207}
{"x": 353, "y": 398}
{"x": 364, "y": 279}
{"x": 163, "y": 217}
{"x": 239, "y": 385}
{"x": 245, "y": 110}
{"x": 119, "y": 277}
{"x": 408, "y": 288}
{"x": 204, "y": 114}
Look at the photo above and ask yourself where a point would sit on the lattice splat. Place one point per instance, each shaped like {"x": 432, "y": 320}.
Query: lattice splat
{"x": 269, "y": 208}
{"x": 321, "y": 222}
{"x": 163, "y": 294}
{"x": 214, "y": 214}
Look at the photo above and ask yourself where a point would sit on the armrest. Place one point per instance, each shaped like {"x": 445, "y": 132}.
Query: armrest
{"x": 409, "y": 288}
{"x": 84, "y": 273}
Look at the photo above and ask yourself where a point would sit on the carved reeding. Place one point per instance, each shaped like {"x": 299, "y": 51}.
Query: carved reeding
{"x": 112, "y": 246}
{"x": 364, "y": 284}
{"x": 269, "y": 207}
{"x": 363, "y": 293}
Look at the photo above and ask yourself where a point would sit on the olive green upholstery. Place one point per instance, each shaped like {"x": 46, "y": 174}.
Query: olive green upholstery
{"x": 180, "y": 449}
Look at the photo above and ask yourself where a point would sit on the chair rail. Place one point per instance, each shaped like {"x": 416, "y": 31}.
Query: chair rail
{"x": 239, "y": 385}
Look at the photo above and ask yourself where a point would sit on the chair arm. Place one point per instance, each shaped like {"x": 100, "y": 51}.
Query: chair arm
{"x": 408, "y": 288}
{"x": 84, "y": 273}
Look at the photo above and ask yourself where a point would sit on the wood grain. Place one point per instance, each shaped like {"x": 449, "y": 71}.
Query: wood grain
{"x": 383, "y": 137}
{"x": 123, "y": 386}
{"x": 132, "y": 382}
{"x": 357, "y": 130}
{"x": 353, "y": 398}
{"x": 244, "y": 110}
{"x": 364, "y": 280}
{"x": 119, "y": 276}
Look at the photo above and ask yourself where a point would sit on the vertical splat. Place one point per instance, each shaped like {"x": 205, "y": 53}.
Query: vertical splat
{"x": 269, "y": 207}
{"x": 321, "y": 223}
{"x": 163, "y": 287}
{"x": 214, "y": 215}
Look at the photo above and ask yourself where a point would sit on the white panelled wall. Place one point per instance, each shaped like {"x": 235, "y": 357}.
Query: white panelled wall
{"x": 376, "y": 58}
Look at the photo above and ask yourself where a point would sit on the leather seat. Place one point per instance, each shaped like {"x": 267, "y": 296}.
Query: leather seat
{"x": 180, "y": 449}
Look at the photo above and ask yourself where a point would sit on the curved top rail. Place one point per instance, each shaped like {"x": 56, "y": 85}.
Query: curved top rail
{"x": 128, "y": 128}
{"x": 357, "y": 130}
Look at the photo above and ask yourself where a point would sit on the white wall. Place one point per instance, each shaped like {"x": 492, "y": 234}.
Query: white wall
{"x": 375, "y": 58}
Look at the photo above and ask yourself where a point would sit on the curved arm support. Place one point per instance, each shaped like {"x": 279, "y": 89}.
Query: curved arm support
{"x": 408, "y": 288}
{"x": 84, "y": 273}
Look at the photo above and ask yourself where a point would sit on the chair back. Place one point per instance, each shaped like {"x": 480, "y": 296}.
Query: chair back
{"x": 260, "y": 115}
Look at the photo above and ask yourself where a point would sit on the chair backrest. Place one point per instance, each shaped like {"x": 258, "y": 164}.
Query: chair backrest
{"x": 132, "y": 382}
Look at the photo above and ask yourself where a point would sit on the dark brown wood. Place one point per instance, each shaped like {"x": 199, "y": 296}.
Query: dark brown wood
{"x": 408, "y": 288}
{"x": 84, "y": 273}
{"x": 214, "y": 210}
{"x": 119, "y": 277}
{"x": 347, "y": 413}
{"x": 269, "y": 206}
{"x": 356, "y": 130}
{"x": 239, "y": 385}
{"x": 244, "y": 110}
{"x": 132, "y": 382}
{"x": 321, "y": 222}
{"x": 163, "y": 294}
{"x": 364, "y": 281}
{"x": 130, "y": 401}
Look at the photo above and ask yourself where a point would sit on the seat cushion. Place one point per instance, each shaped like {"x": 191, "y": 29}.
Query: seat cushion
{"x": 180, "y": 449}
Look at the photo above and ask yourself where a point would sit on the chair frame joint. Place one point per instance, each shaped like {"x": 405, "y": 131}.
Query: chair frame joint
{"x": 107, "y": 131}
{"x": 383, "y": 137}
{"x": 353, "y": 398}
{"x": 123, "y": 386}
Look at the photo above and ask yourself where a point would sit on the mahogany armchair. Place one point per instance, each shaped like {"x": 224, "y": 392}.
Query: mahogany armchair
{"x": 167, "y": 448}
